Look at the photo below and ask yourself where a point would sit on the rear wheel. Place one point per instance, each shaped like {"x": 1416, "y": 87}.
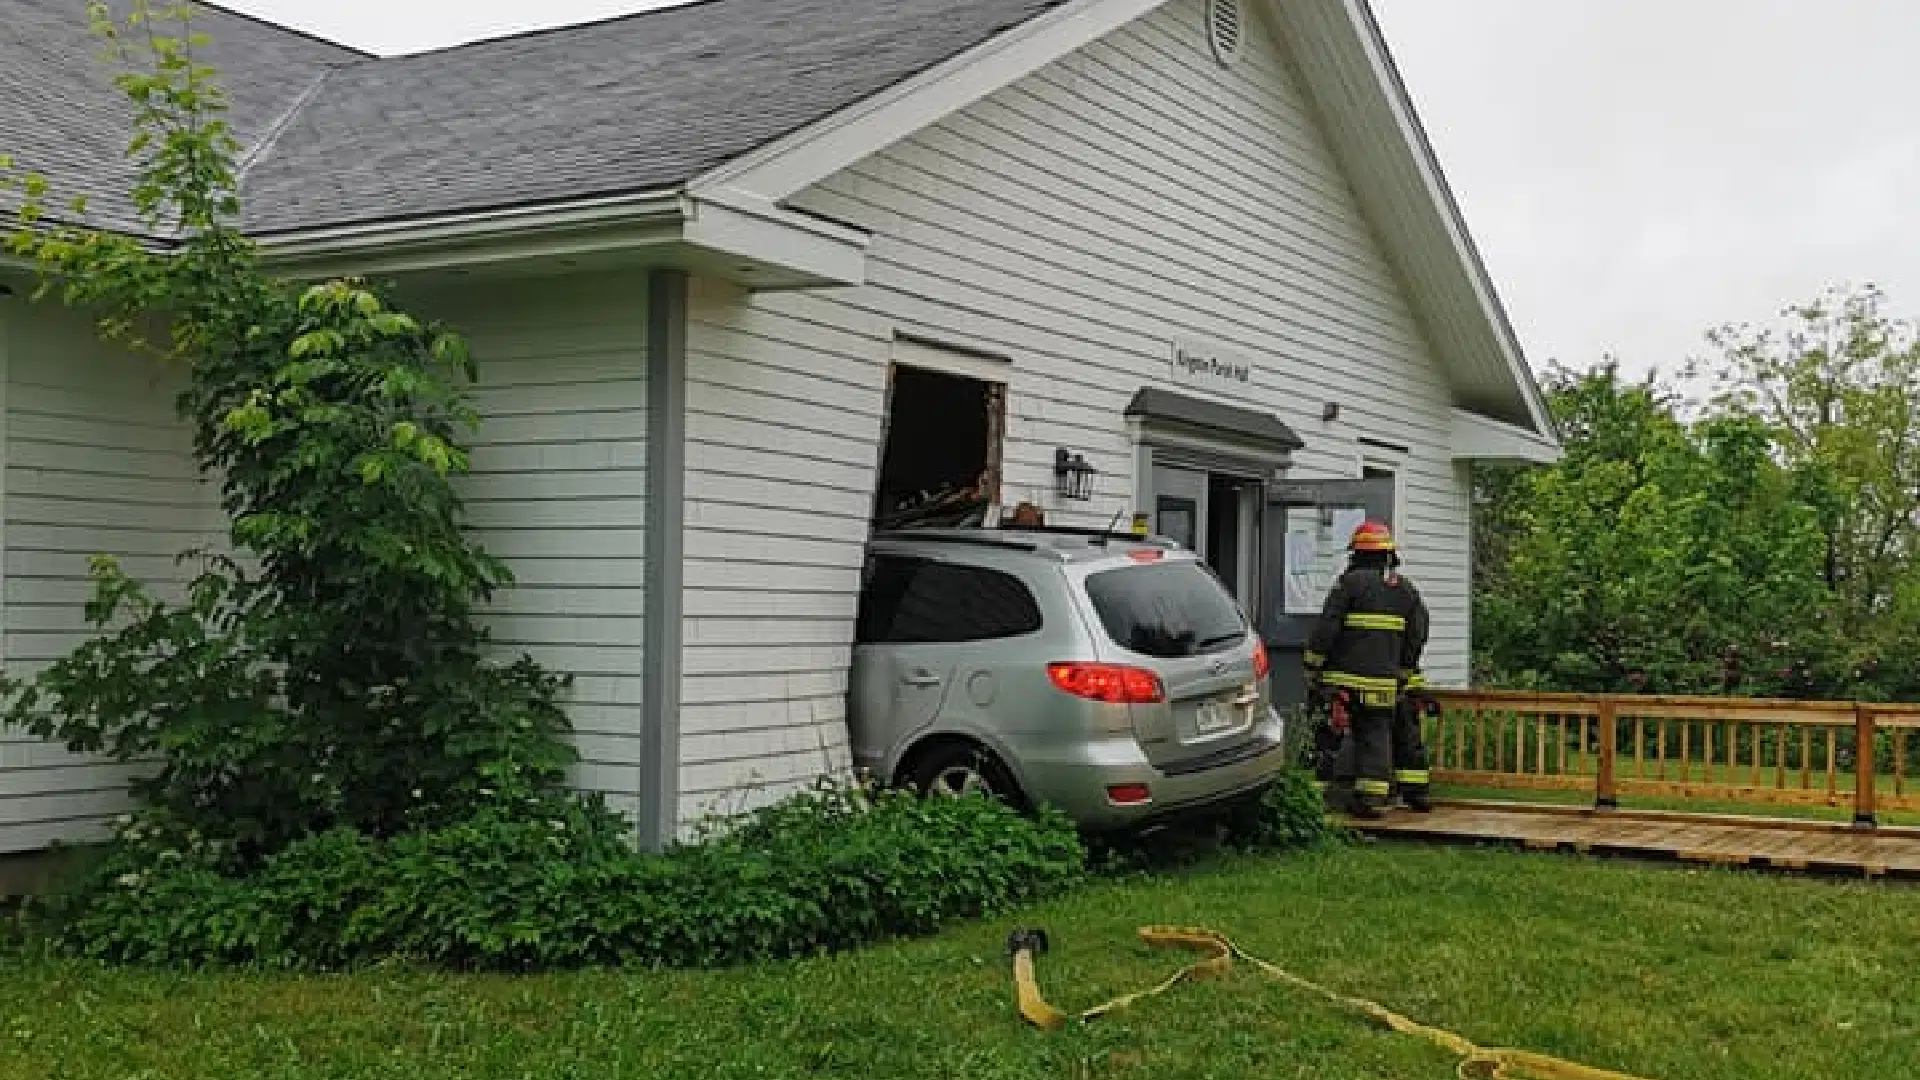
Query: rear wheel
{"x": 953, "y": 770}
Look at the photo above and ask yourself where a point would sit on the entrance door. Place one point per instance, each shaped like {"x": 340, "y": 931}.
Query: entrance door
{"x": 1216, "y": 516}
{"x": 1180, "y": 506}
{"x": 1233, "y": 535}
{"x": 1308, "y": 526}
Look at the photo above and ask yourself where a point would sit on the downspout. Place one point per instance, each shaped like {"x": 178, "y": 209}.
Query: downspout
{"x": 663, "y": 635}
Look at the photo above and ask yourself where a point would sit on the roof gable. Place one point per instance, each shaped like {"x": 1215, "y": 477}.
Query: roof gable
{"x": 1364, "y": 107}
{"x": 742, "y": 103}
{"x": 1376, "y": 132}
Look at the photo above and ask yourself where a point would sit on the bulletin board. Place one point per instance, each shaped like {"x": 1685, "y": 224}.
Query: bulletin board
{"x": 1316, "y": 553}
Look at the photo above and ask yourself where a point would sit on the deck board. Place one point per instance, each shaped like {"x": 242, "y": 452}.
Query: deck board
{"x": 1725, "y": 840}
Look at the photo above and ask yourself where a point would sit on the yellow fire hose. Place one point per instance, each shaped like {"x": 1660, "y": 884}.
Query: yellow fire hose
{"x": 1476, "y": 1062}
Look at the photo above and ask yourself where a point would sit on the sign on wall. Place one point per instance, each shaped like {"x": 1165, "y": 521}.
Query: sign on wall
{"x": 1316, "y": 553}
{"x": 1211, "y": 367}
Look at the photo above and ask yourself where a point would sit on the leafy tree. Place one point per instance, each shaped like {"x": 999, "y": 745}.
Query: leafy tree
{"x": 1839, "y": 386}
{"x": 1658, "y": 556}
{"x": 1767, "y": 546}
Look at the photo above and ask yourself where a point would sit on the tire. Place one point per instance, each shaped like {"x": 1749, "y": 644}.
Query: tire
{"x": 954, "y": 769}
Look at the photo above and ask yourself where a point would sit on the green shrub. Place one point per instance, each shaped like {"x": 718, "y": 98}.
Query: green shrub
{"x": 1292, "y": 816}
{"x": 519, "y": 887}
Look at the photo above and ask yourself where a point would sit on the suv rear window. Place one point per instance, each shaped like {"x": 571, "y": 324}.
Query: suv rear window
{"x": 1166, "y": 610}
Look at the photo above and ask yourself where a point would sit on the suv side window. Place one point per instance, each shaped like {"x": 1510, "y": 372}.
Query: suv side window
{"x": 919, "y": 601}
{"x": 887, "y": 579}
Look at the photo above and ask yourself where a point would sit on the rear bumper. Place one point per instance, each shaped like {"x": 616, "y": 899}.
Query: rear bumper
{"x": 1078, "y": 785}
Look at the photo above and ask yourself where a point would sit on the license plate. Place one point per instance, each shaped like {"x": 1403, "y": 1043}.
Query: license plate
{"x": 1212, "y": 716}
{"x": 1217, "y": 715}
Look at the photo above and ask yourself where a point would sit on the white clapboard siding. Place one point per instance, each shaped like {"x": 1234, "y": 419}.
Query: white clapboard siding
{"x": 559, "y": 490}
{"x": 1078, "y": 222}
{"x": 97, "y": 463}
{"x": 784, "y": 400}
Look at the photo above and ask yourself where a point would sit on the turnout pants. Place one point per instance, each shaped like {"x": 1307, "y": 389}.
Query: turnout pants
{"x": 1382, "y": 750}
{"x": 1372, "y": 761}
{"x": 1411, "y": 771}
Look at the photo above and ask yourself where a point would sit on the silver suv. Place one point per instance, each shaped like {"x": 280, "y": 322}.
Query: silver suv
{"x": 1113, "y": 678}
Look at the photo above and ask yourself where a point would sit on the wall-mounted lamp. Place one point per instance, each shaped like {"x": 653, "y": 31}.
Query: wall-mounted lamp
{"x": 1072, "y": 476}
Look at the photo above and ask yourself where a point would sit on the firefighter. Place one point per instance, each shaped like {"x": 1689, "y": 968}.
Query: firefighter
{"x": 1363, "y": 653}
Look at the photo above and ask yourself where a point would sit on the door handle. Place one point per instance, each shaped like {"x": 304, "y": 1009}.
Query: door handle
{"x": 921, "y": 678}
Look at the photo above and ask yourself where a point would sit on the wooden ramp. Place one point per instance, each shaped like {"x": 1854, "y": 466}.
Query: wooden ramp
{"x": 1773, "y": 843}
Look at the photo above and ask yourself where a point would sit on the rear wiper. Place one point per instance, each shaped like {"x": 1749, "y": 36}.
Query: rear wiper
{"x": 1217, "y": 639}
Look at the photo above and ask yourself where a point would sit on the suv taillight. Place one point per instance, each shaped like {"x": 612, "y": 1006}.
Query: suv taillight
{"x": 1114, "y": 684}
{"x": 1261, "y": 665}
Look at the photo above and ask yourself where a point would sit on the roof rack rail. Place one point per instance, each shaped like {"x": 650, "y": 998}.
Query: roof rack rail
{"x": 984, "y": 538}
{"x": 1091, "y": 534}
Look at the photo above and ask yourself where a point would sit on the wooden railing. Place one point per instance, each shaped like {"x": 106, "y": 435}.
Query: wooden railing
{"x": 1734, "y": 750}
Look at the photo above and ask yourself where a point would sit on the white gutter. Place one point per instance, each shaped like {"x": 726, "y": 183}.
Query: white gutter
{"x": 484, "y": 236}
{"x": 725, "y": 233}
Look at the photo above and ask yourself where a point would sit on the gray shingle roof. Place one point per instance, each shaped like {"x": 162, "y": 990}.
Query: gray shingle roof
{"x": 61, "y": 116}
{"x": 629, "y": 104}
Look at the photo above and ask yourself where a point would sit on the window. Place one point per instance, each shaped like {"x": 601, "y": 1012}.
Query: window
{"x": 1166, "y": 610}
{"x": 1387, "y": 466}
{"x": 919, "y": 601}
{"x": 1178, "y": 521}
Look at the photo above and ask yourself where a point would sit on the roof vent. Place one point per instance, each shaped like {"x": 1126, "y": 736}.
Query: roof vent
{"x": 1226, "y": 29}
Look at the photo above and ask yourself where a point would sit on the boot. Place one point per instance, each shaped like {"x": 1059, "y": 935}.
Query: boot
{"x": 1367, "y": 807}
{"x": 1419, "y": 800}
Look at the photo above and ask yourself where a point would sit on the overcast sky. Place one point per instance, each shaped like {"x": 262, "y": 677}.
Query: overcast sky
{"x": 1635, "y": 171}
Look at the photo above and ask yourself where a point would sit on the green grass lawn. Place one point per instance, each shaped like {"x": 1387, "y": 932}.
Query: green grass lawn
{"x": 1666, "y": 973}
